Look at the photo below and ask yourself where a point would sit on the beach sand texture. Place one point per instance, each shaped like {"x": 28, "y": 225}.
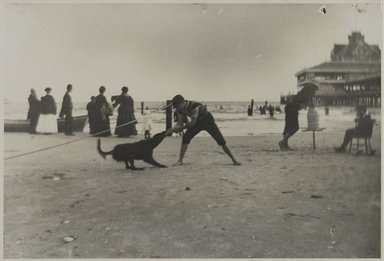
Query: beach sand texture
{"x": 69, "y": 202}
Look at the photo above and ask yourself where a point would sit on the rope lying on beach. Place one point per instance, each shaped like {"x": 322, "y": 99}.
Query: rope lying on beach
{"x": 73, "y": 141}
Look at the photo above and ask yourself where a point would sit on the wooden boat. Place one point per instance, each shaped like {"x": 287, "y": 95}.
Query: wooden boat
{"x": 23, "y": 125}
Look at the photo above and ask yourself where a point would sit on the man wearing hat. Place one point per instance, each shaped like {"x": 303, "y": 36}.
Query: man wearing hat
{"x": 200, "y": 119}
{"x": 66, "y": 110}
{"x": 362, "y": 121}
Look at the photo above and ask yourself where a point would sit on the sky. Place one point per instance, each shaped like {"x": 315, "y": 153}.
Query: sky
{"x": 206, "y": 52}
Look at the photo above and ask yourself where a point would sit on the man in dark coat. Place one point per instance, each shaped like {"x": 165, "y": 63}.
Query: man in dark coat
{"x": 66, "y": 110}
{"x": 363, "y": 127}
{"x": 34, "y": 110}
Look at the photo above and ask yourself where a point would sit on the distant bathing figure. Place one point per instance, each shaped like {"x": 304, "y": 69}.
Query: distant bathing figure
{"x": 147, "y": 123}
{"x": 201, "y": 119}
{"x": 66, "y": 110}
{"x": 125, "y": 114}
{"x": 271, "y": 110}
{"x": 47, "y": 121}
{"x": 292, "y": 108}
{"x": 102, "y": 108}
{"x": 91, "y": 108}
{"x": 34, "y": 111}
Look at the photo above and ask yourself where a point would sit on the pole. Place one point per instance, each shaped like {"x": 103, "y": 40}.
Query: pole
{"x": 314, "y": 143}
{"x": 142, "y": 108}
{"x": 251, "y": 107}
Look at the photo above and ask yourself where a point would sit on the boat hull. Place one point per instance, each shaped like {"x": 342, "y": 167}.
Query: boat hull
{"x": 79, "y": 123}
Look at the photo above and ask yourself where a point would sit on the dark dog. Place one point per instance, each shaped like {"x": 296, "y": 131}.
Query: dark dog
{"x": 141, "y": 150}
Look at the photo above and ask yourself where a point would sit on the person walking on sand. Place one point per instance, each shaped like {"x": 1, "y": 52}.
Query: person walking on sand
{"x": 34, "y": 111}
{"x": 66, "y": 110}
{"x": 102, "y": 126}
{"x": 47, "y": 120}
{"x": 91, "y": 108}
{"x": 292, "y": 108}
{"x": 200, "y": 119}
{"x": 125, "y": 114}
{"x": 362, "y": 122}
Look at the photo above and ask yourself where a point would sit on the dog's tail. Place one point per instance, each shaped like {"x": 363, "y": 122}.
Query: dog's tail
{"x": 102, "y": 153}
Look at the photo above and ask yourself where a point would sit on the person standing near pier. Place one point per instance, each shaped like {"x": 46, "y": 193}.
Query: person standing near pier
{"x": 292, "y": 108}
{"x": 66, "y": 110}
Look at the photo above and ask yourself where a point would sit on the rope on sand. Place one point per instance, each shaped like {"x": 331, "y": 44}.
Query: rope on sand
{"x": 73, "y": 141}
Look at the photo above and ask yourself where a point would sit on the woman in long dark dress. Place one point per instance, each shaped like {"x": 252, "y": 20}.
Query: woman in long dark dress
{"x": 125, "y": 115}
{"x": 102, "y": 126}
{"x": 47, "y": 120}
{"x": 292, "y": 108}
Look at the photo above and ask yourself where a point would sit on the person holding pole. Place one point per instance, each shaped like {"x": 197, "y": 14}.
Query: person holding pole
{"x": 200, "y": 119}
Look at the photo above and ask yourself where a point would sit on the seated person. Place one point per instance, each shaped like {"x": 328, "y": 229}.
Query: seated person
{"x": 363, "y": 122}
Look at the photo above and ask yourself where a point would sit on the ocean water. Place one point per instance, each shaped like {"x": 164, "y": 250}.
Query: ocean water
{"x": 231, "y": 117}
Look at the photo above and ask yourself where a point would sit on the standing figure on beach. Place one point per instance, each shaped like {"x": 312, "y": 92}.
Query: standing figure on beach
{"x": 125, "y": 114}
{"x": 91, "y": 108}
{"x": 292, "y": 108}
{"x": 34, "y": 111}
{"x": 47, "y": 120}
{"x": 363, "y": 122}
{"x": 102, "y": 126}
{"x": 66, "y": 110}
{"x": 200, "y": 120}
{"x": 147, "y": 123}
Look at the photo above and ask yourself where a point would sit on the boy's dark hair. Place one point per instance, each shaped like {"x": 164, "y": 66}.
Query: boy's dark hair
{"x": 178, "y": 99}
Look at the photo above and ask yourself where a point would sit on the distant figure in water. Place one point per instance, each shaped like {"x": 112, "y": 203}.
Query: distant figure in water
{"x": 201, "y": 119}
{"x": 47, "y": 121}
{"x": 91, "y": 108}
{"x": 271, "y": 110}
{"x": 34, "y": 111}
{"x": 326, "y": 110}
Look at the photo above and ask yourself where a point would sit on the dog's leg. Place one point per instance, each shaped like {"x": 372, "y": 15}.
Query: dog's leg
{"x": 133, "y": 165}
{"x": 154, "y": 163}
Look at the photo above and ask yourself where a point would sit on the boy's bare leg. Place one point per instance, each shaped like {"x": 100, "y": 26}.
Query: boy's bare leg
{"x": 183, "y": 149}
{"x": 228, "y": 152}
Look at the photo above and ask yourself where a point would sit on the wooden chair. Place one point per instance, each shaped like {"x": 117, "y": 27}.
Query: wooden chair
{"x": 366, "y": 135}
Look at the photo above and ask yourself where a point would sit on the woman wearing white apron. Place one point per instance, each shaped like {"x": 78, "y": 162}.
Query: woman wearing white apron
{"x": 47, "y": 122}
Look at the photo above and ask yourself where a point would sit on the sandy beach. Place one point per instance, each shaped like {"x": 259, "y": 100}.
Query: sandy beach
{"x": 278, "y": 204}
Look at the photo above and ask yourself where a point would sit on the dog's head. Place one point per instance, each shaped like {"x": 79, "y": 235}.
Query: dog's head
{"x": 158, "y": 138}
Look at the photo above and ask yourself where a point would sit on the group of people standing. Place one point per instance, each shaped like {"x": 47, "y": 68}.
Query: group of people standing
{"x": 99, "y": 111}
{"x": 42, "y": 113}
